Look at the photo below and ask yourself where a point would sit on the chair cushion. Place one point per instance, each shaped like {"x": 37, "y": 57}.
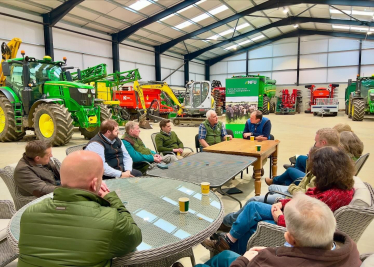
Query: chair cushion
{"x": 3, "y": 225}
{"x": 369, "y": 262}
{"x": 362, "y": 196}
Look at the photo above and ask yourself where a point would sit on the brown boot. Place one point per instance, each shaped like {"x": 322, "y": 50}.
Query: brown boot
{"x": 224, "y": 228}
{"x": 177, "y": 264}
{"x": 216, "y": 245}
{"x": 268, "y": 181}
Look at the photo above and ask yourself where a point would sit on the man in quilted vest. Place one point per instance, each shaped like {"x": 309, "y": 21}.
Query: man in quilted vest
{"x": 212, "y": 131}
{"x": 36, "y": 173}
{"x": 139, "y": 152}
{"x": 83, "y": 224}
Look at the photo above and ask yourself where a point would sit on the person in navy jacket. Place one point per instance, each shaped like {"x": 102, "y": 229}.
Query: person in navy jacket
{"x": 257, "y": 126}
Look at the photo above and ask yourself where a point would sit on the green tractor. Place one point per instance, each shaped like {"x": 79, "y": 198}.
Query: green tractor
{"x": 359, "y": 98}
{"x": 37, "y": 97}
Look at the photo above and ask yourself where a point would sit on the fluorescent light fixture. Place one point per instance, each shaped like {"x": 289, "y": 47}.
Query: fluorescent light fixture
{"x": 231, "y": 47}
{"x": 184, "y": 9}
{"x": 352, "y": 12}
{"x": 202, "y": 16}
{"x": 340, "y": 27}
{"x": 167, "y": 17}
{"x": 359, "y": 29}
{"x": 258, "y": 37}
{"x": 198, "y": 3}
{"x": 215, "y": 37}
{"x": 245, "y": 42}
{"x": 140, "y": 4}
{"x": 242, "y": 26}
{"x": 296, "y": 26}
{"x": 285, "y": 10}
{"x": 218, "y": 10}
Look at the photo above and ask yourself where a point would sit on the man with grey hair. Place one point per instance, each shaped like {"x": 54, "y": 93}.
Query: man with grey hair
{"x": 137, "y": 150}
{"x": 311, "y": 240}
{"x": 212, "y": 131}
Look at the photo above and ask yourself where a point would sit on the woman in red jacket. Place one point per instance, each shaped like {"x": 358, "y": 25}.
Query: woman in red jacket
{"x": 334, "y": 172}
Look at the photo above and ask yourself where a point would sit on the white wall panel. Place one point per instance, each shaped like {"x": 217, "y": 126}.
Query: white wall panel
{"x": 313, "y": 61}
{"x": 313, "y": 76}
{"x": 197, "y": 68}
{"x": 260, "y": 64}
{"x": 367, "y": 70}
{"x": 221, "y": 78}
{"x": 236, "y": 66}
{"x": 193, "y": 77}
{"x": 36, "y": 51}
{"x": 200, "y": 77}
{"x": 367, "y": 57}
{"x": 218, "y": 68}
{"x": 90, "y": 61}
{"x": 164, "y": 73}
{"x": 147, "y": 72}
{"x": 171, "y": 63}
{"x": 262, "y": 73}
{"x": 137, "y": 55}
{"x": 284, "y": 63}
{"x": 124, "y": 65}
{"x": 284, "y": 77}
{"x": 310, "y": 47}
{"x": 341, "y": 74}
{"x": 367, "y": 44}
{"x": 236, "y": 57}
{"x": 285, "y": 49}
{"x": 177, "y": 78}
{"x": 265, "y": 51}
{"x": 339, "y": 44}
{"x": 28, "y": 32}
{"x": 73, "y": 59}
{"x": 343, "y": 58}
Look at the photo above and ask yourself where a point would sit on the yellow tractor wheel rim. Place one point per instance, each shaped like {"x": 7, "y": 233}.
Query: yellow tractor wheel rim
{"x": 353, "y": 110}
{"x": 268, "y": 106}
{"x": 2, "y": 120}
{"x": 46, "y": 125}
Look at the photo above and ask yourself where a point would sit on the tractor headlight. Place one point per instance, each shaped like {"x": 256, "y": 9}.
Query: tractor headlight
{"x": 93, "y": 91}
{"x": 82, "y": 90}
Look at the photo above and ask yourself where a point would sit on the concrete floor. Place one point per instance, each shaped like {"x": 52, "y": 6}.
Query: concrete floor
{"x": 296, "y": 134}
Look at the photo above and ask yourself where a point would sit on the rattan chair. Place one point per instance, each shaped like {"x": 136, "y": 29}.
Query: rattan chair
{"x": 7, "y": 174}
{"x": 7, "y": 255}
{"x": 351, "y": 219}
{"x": 360, "y": 162}
{"x": 72, "y": 149}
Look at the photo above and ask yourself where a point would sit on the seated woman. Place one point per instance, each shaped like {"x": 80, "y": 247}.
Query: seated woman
{"x": 334, "y": 172}
{"x": 352, "y": 145}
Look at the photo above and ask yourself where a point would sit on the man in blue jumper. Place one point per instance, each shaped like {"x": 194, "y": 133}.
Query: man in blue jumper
{"x": 257, "y": 126}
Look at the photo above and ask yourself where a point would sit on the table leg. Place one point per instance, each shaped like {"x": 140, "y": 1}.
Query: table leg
{"x": 219, "y": 189}
{"x": 275, "y": 162}
{"x": 257, "y": 169}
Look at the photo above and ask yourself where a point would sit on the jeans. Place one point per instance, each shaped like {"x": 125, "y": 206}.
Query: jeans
{"x": 301, "y": 163}
{"x": 230, "y": 218}
{"x": 288, "y": 177}
{"x": 224, "y": 259}
{"x": 246, "y": 224}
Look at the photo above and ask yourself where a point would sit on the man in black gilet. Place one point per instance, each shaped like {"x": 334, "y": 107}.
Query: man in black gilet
{"x": 117, "y": 161}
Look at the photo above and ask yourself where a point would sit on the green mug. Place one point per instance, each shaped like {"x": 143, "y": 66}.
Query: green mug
{"x": 258, "y": 147}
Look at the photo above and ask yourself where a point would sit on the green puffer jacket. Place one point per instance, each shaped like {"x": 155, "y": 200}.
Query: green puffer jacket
{"x": 165, "y": 142}
{"x": 76, "y": 228}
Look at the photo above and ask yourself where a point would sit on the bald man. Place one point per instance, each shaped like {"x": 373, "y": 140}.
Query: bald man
{"x": 84, "y": 224}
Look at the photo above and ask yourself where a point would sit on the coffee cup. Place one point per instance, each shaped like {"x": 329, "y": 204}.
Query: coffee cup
{"x": 205, "y": 187}
{"x": 184, "y": 203}
{"x": 258, "y": 147}
{"x": 252, "y": 138}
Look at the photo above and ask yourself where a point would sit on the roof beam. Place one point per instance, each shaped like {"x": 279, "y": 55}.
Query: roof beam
{"x": 55, "y": 15}
{"x": 282, "y": 22}
{"x": 266, "y": 5}
{"x": 295, "y": 33}
{"x": 122, "y": 35}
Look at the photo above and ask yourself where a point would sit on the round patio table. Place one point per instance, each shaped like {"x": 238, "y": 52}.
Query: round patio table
{"x": 167, "y": 234}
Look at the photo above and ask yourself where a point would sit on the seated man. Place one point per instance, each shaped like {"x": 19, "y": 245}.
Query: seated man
{"x": 212, "y": 131}
{"x": 116, "y": 159}
{"x": 257, "y": 126}
{"x": 84, "y": 223}
{"x": 324, "y": 137}
{"x": 36, "y": 173}
{"x": 139, "y": 152}
{"x": 167, "y": 140}
{"x": 311, "y": 240}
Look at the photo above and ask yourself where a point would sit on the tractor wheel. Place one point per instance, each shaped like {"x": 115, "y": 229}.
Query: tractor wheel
{"x": 7, "y": 122}
{"x": 90, "y": 132}
{"x": 350, "y": 109}
{"x": 266, "y": 106}
{"x": 358, "y": 110}
{"x": 53, "y": 123}
{"x": 273, "y": 104}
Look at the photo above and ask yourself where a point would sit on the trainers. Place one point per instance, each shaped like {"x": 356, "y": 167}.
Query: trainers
{"x": 224, "y": 228}
{"x": 216, "y": 245}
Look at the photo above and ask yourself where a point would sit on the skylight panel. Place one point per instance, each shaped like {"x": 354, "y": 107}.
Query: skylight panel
{"x": 231, "y": 47}
{"x": 218, "y": 10}
{"x": 245, "y": 42}
{"x": 200, "y": 17}
{"x": 258, "y": 37}
{"x": 182, "y": 10}
{"x": 183, "y": 25}
{"x": 242, "y": 26}
{"x": 214, "y": 37}
{"x": 140, "y": 4}
{"x": 352, "y": 12}
{"x": 340, "y": 27}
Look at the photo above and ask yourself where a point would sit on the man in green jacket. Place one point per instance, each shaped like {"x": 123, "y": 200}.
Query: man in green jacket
{"x": 168, "y": 141}
{"x": 82, "y": 225}
{"x": 137, "y": 150}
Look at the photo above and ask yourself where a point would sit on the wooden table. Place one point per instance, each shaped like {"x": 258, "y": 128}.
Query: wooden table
{"x": 244, "y": 147}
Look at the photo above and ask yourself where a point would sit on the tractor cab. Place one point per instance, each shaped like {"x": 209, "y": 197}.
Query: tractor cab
{"x": 198, "y": 97}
